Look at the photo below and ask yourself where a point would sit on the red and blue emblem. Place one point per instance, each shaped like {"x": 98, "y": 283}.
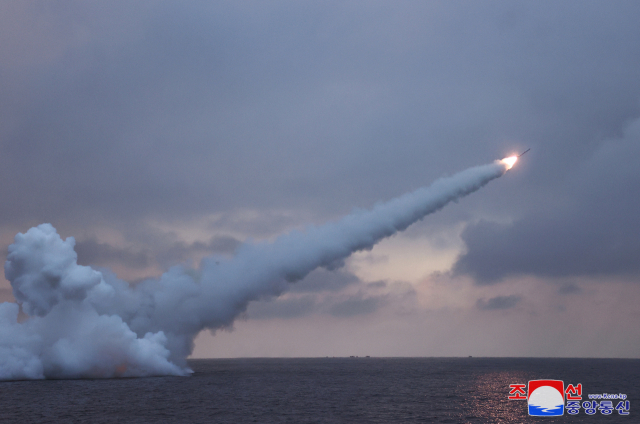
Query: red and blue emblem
{"x": 546, "y": 398}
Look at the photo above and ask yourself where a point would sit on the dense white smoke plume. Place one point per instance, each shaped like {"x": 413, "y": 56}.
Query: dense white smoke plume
{"x": 84, "y": 323}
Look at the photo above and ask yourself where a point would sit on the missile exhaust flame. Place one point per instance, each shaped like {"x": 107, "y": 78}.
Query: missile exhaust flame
{"x": 510, "y": 161}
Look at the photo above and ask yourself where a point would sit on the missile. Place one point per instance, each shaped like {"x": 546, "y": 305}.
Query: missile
{"x": 524, "y": 152}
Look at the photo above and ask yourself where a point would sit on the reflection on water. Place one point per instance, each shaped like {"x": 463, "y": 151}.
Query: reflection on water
{"x": 488, "y": 399}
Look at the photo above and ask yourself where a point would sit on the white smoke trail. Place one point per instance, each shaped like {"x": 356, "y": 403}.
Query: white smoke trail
{"x": 85, "y": 323}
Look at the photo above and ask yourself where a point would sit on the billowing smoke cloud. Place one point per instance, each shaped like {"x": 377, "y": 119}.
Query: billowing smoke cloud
{"x": 85, "y": 323}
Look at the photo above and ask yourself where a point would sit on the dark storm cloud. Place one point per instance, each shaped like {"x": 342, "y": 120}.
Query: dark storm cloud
{"x": 548, "y": 248}
{"x": 117, "y": 114}
{"x": 592, "y": 231}
{"x": 498, "y": 303}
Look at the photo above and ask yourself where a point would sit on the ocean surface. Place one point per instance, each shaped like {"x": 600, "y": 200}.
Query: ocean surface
{"x": 323, "y": 390}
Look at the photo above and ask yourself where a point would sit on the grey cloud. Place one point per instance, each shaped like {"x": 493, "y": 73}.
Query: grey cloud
{"x": 591, "y": 230}
{"x": 91, "y": 252}
{"x": 322, "y": 106}
{"x": 547, "y": 248}
{"x": 322, "y": 292}
{"x": 569, "y": 288}
{"x": 283, "y": 308}
{"x": 179, "y": 251}
{"x": 164, "y": 252}
{"x": 308, "y": 304}
{"x": 322, "y": 280}
{"x": 271, "y": 115}
{"x": 357, "y": 306}
{"x": 154, "y": 110}
{"x": 498, "y": 303}
{"x": 6, "y": 295}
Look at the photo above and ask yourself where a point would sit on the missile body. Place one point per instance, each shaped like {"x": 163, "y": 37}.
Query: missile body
{"x": 524, "y": 152}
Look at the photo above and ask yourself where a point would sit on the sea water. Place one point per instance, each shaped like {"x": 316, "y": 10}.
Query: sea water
{"x": 323, "y": 390}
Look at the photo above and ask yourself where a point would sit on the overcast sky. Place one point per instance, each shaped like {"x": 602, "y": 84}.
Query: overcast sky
{"x": 159, "y": 132}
